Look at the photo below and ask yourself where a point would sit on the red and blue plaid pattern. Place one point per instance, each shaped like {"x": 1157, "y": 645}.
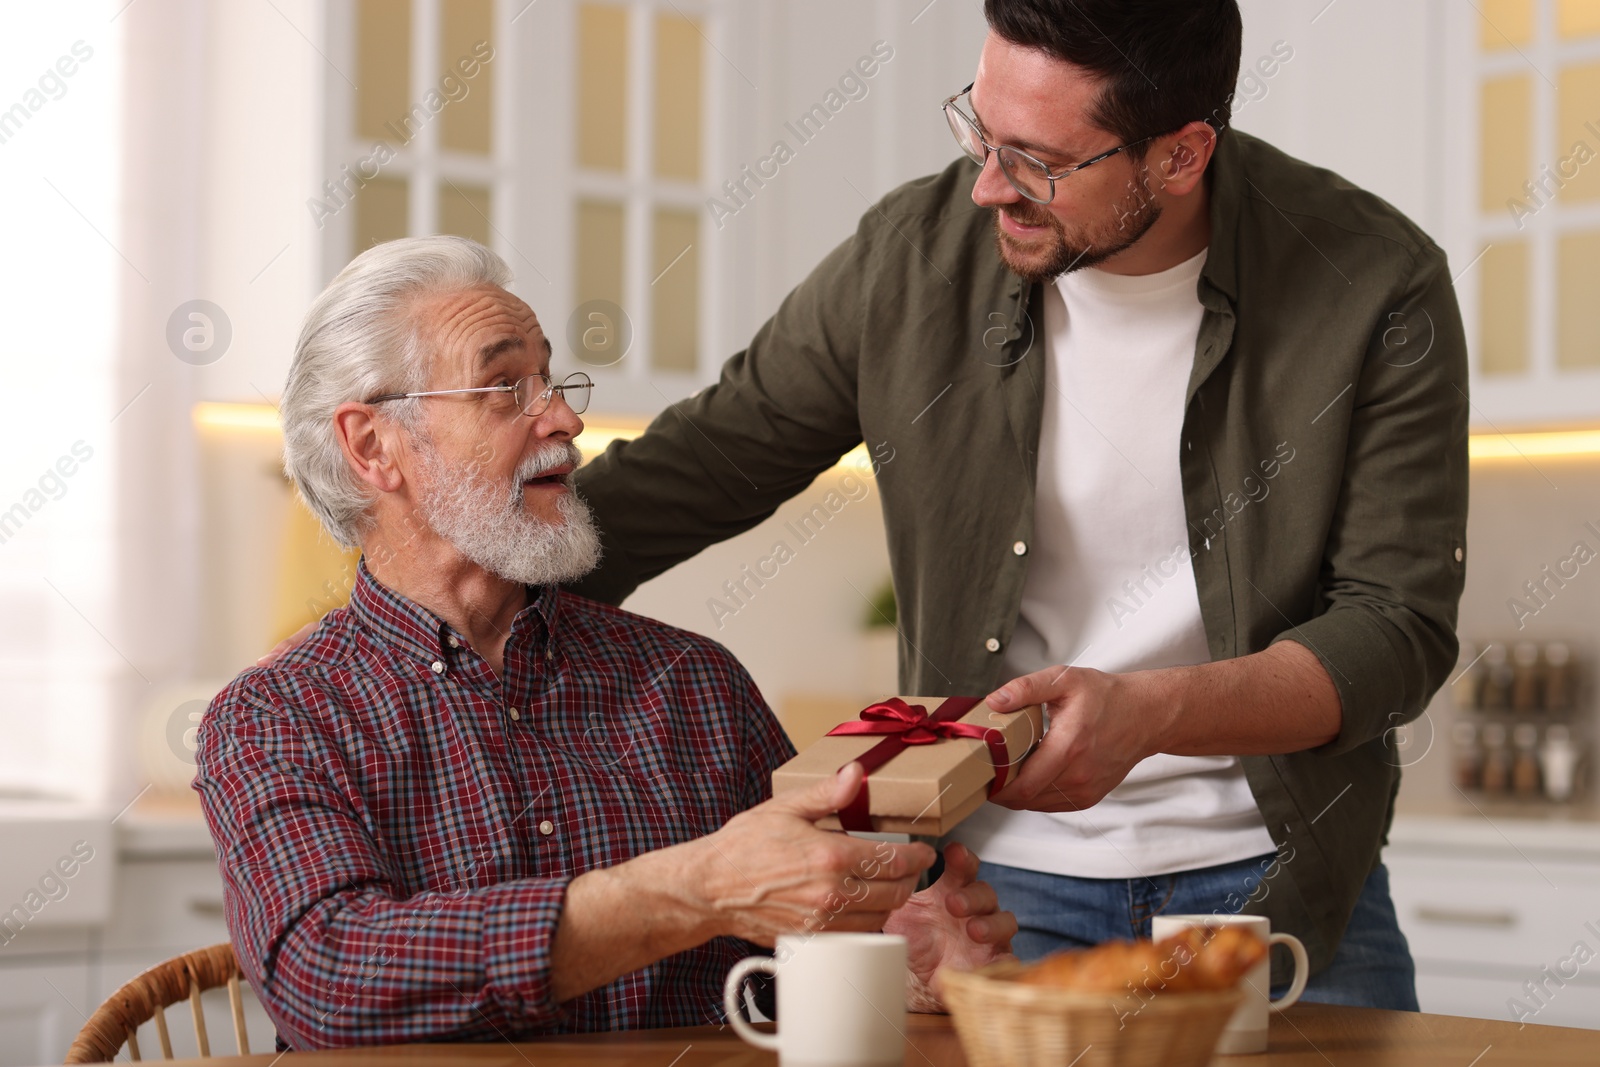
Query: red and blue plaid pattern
{"x": 397, "y": 826}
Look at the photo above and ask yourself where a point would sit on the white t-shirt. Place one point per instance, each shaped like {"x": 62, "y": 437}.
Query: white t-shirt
{"x": 1110, "y": 583}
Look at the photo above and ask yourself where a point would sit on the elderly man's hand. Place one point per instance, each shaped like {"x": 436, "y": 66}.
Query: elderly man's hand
{"x": 769, "y": 871}
{"x": 1098, "y": 731}
{"x": 956, "y": 922}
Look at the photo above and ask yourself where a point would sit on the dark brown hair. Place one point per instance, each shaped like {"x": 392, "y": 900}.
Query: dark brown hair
{"x": 1165, "y": 63}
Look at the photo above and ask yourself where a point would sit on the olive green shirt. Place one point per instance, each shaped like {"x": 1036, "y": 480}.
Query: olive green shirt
{"x": 1330, "y": 335}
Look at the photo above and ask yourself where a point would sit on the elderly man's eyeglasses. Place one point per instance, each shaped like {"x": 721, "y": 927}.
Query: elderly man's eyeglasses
{"x": 532, "y": 394}
{"x": 1026, "y": 174}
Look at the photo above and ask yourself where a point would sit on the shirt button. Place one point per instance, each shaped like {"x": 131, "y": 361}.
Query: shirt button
{"x": 547, "y": 827}
{"x": 514, "y": 713}
{"x": 993, "y": 644}
{"x": 438, "y": 666}
{"x": 454, "y": 643}
{"x": 1459, "y": 555}
{"x": 1020, "y": 548}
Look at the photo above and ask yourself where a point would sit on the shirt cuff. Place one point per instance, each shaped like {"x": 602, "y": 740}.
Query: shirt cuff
{"x": 519, "y": 930}
{"x": 1362, "y": 662}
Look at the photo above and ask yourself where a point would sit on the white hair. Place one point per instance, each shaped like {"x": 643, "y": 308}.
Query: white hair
{"x": 360, "y": 339}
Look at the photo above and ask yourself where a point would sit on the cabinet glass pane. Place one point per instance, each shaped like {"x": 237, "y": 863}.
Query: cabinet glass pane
{"x": 599, "y": 266}
{"x": 465, "y": 210}
{"x": 1578, "y": 310}
{"x": 1505, "y": 149}
{"x": 602, "y": 86}
{"x": 1503, "y": 23}
{"x": 677, "y": 98}
{"x": 1577, "y": 110}
{"x": 675, "y": 292}
{"x": 383, "y": 65}
{"x": 466, "y": 37}
{"x": 1578, "y": 18}
{"x": 1503, "y": 309}
{"x": 381, "y": 211}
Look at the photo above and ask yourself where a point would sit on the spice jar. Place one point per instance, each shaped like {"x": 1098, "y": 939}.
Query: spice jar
{"x": 1464, "y": 690}
{"x": 1525, "y": 768}
{"x": 1525, "y": 678}
{"x": 1468, "y": 766}
{"x": 1496, "y": 760}
{"x": 1559, "y": 682}
{"x": 1495, "y": 694}
{"x": 1559, "y": 759}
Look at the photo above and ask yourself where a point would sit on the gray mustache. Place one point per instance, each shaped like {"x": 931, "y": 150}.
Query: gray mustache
{"x": 547, "y": 459}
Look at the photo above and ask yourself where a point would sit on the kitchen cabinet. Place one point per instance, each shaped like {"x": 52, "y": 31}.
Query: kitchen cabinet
{"x": 168, "y": 900}
{"x": 1474, "y": 133}
{"x": 1517, "y": 127}
{"x": 44, "y": 993}
{"x": 42, "y": 1002}
{"x": 167, "y": 904}
{"x": 1503, "y": 916}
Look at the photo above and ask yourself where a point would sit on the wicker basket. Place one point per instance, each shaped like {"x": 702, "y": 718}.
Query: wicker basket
{"x": 1003, "y": 1023}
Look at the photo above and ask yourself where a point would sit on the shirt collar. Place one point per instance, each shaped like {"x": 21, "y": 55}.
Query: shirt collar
{"x": 402, "y": 622}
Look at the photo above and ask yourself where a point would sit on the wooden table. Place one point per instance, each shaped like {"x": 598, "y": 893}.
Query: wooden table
{"x": 1307, "y": 1035}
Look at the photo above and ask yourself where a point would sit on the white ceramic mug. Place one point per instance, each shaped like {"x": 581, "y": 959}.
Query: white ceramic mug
{"x": 841, "y": 1000}
{"x": 1247, "y": 1030}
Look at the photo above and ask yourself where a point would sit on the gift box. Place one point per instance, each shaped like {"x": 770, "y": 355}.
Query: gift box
{"x": 931, "y": 761}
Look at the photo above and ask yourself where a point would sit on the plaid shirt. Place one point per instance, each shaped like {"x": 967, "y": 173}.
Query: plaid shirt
{"x": 397, "y": 826}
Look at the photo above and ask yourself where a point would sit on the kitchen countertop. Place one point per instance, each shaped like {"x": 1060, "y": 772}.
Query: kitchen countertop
{"x": 1568, "y": 832}
{"x": 164, "y": 827}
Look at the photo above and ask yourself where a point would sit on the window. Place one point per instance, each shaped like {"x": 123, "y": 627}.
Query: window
{"x": 415, "y": 145}
{"x": 1537, "y": 215}
{"x": 573, "y": 137}
{"x": 639, "y": 187}
{"x": 65, "y": 661}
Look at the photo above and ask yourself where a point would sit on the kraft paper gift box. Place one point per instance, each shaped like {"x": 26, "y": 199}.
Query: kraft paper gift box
{"x": 932, "y": 783}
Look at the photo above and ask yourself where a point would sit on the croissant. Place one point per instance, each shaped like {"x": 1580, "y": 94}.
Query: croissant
{"x": 1198, "y": 959}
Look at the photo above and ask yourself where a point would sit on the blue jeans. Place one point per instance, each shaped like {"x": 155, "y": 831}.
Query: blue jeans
{"x": 1372, "y": 967}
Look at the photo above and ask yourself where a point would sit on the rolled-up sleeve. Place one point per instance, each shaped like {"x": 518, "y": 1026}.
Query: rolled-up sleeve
{"x": 1395, "y": 560}
{"x": 338, "y": 954}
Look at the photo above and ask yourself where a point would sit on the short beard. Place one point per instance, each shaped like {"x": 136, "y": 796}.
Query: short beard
{"x": 486, "y": 521}
{"x": 1136, "y": 214}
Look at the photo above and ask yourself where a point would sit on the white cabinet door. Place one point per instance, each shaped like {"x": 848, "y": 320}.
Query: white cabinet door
{"x": 1484, "y": 924}
{"x": 1490, "y": 993}
{"x": 1516, "y": 913}
{"x": 171, "y": 904}
{"x": 43, "y": 1005}
{"x": 166, "y": 907}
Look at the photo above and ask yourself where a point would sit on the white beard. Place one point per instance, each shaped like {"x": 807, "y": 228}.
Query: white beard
{"x": 487, "y": 522}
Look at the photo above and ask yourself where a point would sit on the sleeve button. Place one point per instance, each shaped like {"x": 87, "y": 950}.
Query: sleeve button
{"x": 993, "y": 644}
{"x": 1020, "y": 548}
{"x": 1460, "y": 555}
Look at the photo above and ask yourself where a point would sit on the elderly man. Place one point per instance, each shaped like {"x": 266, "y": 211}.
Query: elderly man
{"x": 471, "y": 805}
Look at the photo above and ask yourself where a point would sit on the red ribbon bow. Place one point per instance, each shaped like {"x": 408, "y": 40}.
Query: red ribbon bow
{"x": 910, "y": 724}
